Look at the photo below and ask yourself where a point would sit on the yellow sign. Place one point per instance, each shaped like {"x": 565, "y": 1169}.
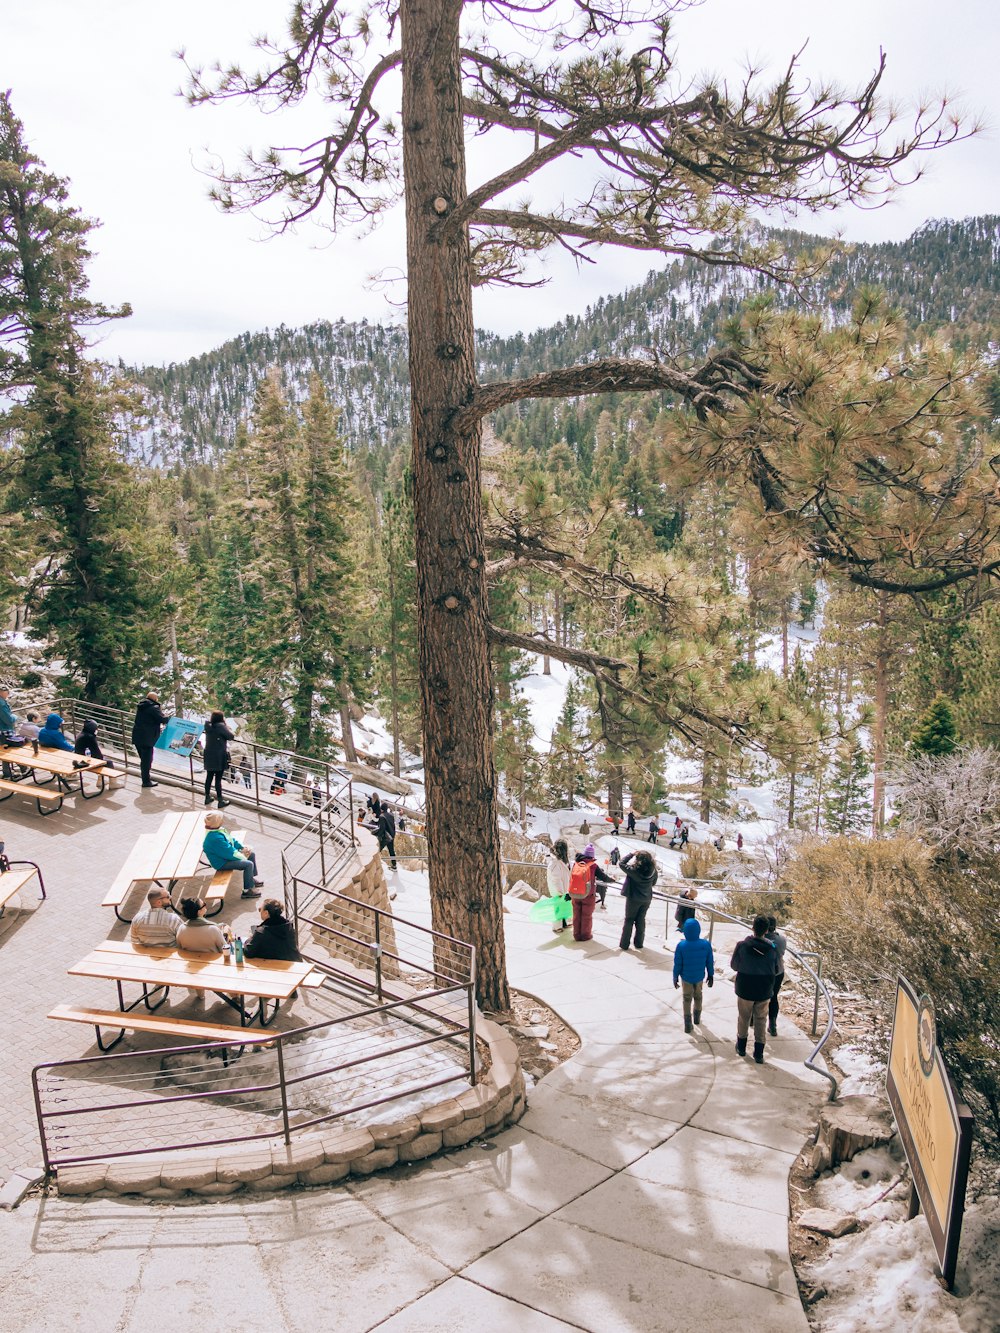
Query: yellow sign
{"x": 935, "y": 1130}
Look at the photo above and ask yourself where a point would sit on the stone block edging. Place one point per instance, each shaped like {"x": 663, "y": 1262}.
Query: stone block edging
{"x": 320, "y": 1156}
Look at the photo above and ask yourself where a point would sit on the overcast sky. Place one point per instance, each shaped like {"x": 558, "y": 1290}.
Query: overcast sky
{"x": 95, "y": 83}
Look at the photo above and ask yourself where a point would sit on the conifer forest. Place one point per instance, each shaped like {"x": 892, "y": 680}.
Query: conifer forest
{"x": 750, "y": 503}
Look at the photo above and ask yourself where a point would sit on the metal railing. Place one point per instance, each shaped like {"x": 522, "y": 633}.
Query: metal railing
{"x": 274, "y": 781}
{"x": 800, "y": 957}
{"x": 408, "y": 991}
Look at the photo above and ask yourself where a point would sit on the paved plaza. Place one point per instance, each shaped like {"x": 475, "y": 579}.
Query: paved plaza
{"x": 645, "y": 1188}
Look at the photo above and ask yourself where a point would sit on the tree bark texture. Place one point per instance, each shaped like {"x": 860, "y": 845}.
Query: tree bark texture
{"x": 883, "y": 653}
{"x": 452, "y": 607}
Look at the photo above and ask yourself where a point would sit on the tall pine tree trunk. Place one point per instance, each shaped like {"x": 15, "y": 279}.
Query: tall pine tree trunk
{"x": 705, "y": 810}
{"x": 616, "y": 788}
{"x": 346, "y": 730}
{"x": 452, "y": 607}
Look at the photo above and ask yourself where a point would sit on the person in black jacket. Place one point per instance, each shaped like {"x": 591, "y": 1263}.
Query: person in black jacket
{"x": 641, "y": 875}
{"x": 87, "y": 742}
{"x": 385, "y": 831}
{"x": 217, "y": 738}
{"x": 755, "y": 962}
{"x": 274, "y": 937}
{"x": 149, "y": 720}
{"x": 630, "y": 821}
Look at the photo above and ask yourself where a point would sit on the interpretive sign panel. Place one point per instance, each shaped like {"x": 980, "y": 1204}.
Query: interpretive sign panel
{"x": 180, "y": 735}
{"x": 935, "y": 1128}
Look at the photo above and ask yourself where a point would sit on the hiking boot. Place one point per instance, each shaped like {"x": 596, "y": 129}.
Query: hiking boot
{"x": 772, "y": 1027}
{"x": 249, "y": 893}
{"x": 741, "y": 1045}
{"x": 258, "y": 883}
{"x": 208, "y": 800}
{"x": 688, "y": 1026}
{"x": 220, "y": 804}
{"x": 758, "y": 1052}
{"x": 697, "y": 1016}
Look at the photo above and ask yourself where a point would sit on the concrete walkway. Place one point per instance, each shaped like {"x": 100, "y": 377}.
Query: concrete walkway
{"x": 645, "y": 1188}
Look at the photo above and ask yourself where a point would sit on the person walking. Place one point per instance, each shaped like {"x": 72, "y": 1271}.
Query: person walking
{"x": 630, "y": 822}
{"x": 557, "y": 876}
{"x": 216, "y": 758}
{"x": 684, "y": 912}
{"x": 385, "y": 831}
{"x": 654, "y": 828}
{"x": 739, "y": 842}
{"x": 149, "y": 722}
{"x": 616, "y": 821}
{"x": 685, "y": 834}
{"x": 780, "y": 943}
{"x": 755, "y": 962}
{"x": 583, "y": 893}
{"x": 640, "y": 877}
{"x": 245, "y": 771}
{"x": 694, "y": 961}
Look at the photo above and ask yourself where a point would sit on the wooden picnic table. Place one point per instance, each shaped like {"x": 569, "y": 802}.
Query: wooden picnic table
{"x": 58, "y": 764}
{"x": 266, "y": 980}
{"x": 165, "y": 855}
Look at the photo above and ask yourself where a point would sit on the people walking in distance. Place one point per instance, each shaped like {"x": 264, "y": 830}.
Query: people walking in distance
{"x": 616, "y": 821}
{"x": 630, "y": 822}
{"x": 684, "y": 911}
{"x": 780, "y": 943}
{"x": 279, "y": 779}
{"x": 693, "y": 962}
{"x": 157, "y": 923}
{"x": 385, "y": 831}
{"x": 640, "y": 877}
{"x": 149, "y": 722}
{"x": 654, "y": 828}
{"x": 51, "y": 735}
{"x": 217, "y": 738}
{"x": 557, "y": 876}
{"x": 223, "y": 852}
{"x": 677, "y": 826}
{"x": 739, "y": 842}
{"x": 755, "y": 962}
{"x": 374, "y": 804}
{"x": 246, "y": 772}
{"x": 685, "y": 835}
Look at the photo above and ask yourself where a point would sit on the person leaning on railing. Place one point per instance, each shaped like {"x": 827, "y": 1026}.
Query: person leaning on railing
{"x": 223, "y": 852}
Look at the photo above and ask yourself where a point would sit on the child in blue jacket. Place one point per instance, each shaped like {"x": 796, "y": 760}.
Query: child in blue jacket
{"x": 693, "y": 959}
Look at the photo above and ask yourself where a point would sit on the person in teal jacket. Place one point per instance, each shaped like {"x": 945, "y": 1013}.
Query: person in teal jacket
{"x": 51, "y": 734}
{"x": 223, "y": 852}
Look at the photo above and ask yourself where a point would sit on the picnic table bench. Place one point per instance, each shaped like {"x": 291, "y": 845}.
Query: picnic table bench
{"x": 40, "y": 795}
{"x": 13, "y": 881}
{"x": 170, "y": 1027}
{"x": 65, "y": 770}
{"x": 170, "y": 853}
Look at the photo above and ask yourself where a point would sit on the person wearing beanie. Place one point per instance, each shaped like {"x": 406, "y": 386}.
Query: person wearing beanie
{"x": 755, "y": 962}
{"x": 584, "y": 879}
{"x": 223, "y": 852}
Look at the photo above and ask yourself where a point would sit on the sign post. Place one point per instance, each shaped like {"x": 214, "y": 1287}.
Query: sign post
{"x": 934, "y": 1127}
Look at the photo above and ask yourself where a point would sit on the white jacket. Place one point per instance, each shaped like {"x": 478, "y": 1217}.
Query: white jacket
{"x": 557, "y": 874}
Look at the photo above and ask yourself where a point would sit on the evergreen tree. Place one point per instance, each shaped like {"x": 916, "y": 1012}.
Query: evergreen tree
{"x": 100, "y": 606}
{"x": 396, "y": 615}
{"x": 847, "y": 805}
{"x": 935, "y": 733}
{"x": 565, "y": 767}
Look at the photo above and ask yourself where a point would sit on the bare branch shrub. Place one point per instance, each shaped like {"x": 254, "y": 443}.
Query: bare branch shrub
{"x": 952, "y": 801}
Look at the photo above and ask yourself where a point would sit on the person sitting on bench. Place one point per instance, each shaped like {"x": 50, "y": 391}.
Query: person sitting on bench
{"x": 222, "y": 852}
{"x": 274, "y": 937}
{"x": 156, "y": 926}
{"x": 87, "y": 743}
{"x": 197, "y": 934}
{"x": 51, "y": 735}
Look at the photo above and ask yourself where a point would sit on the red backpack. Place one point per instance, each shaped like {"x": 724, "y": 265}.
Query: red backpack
{"x": 581, "y": 879}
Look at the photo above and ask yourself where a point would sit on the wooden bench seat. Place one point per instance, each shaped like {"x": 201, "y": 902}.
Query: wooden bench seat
{"x": 170, "y": 1027}
{"x": 40, "y": 795}
{"x": 13, "y": 881}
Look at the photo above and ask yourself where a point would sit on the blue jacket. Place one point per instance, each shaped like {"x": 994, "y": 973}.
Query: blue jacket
{"x": 220, "y": 848}
{"x": 51, "y": 736}
{"x": 693, "y": 957}
{"x": 7, "y": 721}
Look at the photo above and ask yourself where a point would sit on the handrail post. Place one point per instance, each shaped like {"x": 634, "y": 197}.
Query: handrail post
{"x": 819, "y": 973}
{"x": 284, "y": 1089}
{"x": 471, "y": 993}
{"x": 378, "y": 956}
{"x": 322, "y": 848}
{"x": 256, "y": 776}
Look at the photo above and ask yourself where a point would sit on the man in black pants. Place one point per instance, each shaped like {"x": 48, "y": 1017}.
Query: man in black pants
{"x": 385, "y": 831}
{"x": 149, "y": 720}
{"x": 778, "y": 940}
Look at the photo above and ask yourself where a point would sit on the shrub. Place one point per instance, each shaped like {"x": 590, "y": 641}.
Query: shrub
{"x": 700, "y": 861}
{"x": 31, "y": 680}
{"x": 876, "y": 909}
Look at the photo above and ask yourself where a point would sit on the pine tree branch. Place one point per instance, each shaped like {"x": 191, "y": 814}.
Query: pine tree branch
{"x": 705, "y": 390}
{"x": 527, "y": 549}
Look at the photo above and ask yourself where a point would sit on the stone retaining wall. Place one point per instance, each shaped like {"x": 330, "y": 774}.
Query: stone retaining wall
{"x": 320, "y": 1156}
